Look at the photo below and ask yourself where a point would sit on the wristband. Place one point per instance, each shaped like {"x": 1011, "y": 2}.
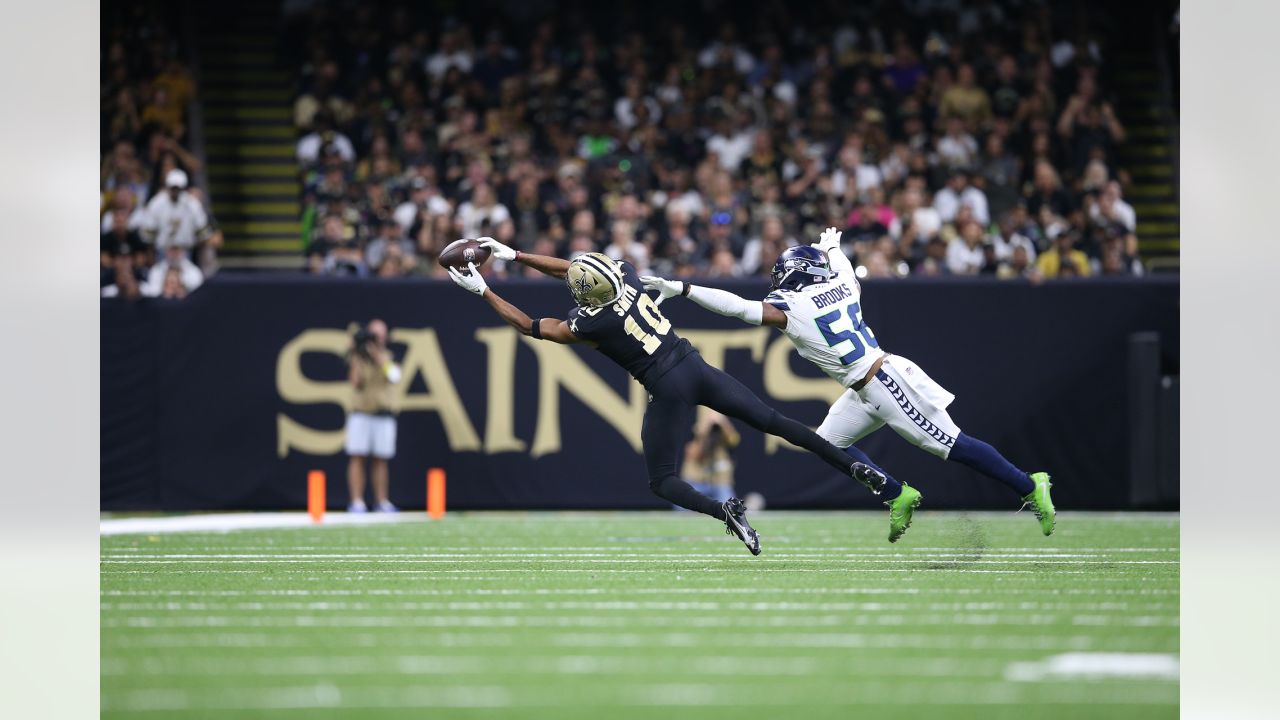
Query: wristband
{"x": 517, "y": 257}
{"x": 684, "y": 291}
{"x": 536, "y": 329}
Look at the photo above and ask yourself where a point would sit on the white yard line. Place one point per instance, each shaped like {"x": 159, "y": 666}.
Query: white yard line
{"x": 576, "y": 664}
{"x": 631, "y": 605}
{"x": 626, "y": 620}
{"x": 458, "y": 575}
{"x": 225, "y": 522}
{"x": 544, "y": 563}
{"x": 481, "y": 555}
{"x": 1086, "y": 665}
{"x": 628, "y": 591}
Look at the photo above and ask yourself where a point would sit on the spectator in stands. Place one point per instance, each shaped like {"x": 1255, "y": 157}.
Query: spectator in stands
{"x": 175, "y": 217}
{"x": 1111, "y": 210}
{"x": 173, "y": 260}
{"x": 934, "y": 260}
{"x": 966, "y": 100}
{"x": 122, "y": 276}
{"x": 965, "y": 252}
{"x": 1062, "y": 259}
{"x": 424, "y": 202}
{"x": 626, "y": 246}
{"x": 336, "y": 251}
{"x": 390, "y": 254}
{"x": 1088, "y": 123}
{"x": 322, "y": 139}
{"x": 1047, "y": 191}
{"x": 1020, "y": 264}
{"x": 998, "y": 175}
{"x": 957, "y": 149}
{"x": 731, "y": 142}
{"x": 124, "y": 259}
{"x": 484, "y": 215}
{"x": 120, "y": 238}
{"x": 453, "y": 53}
{"x": 915, "y": 225}
{"x": 957, "y": 193}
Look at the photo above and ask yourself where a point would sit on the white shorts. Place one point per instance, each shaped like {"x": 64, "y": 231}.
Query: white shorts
{"x": 371, "y": 435}
{"x": 901, "y": 396}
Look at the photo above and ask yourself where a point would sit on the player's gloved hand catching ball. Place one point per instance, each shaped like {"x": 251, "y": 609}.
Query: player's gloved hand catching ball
{"x": 472, "y": 281}
{"x": 499, "y": 250}
{"x": 829, "y": 241}
{"x": 666, "y": 288}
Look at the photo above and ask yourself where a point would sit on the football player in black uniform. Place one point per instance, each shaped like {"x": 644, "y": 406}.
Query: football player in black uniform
{"x": 617, "y": 317}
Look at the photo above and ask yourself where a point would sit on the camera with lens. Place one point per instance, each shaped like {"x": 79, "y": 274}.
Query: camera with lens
{"x": 361, "y": 341}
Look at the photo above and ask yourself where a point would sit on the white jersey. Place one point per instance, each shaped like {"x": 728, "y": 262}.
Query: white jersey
{"x": 824, "y": 321}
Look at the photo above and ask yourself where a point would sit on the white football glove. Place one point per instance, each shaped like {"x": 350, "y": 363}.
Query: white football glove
{"x": 472, "y": 282}
{"x": 829, "y": 241}
{"x": 666, "y": 288}
{"x": 499, "y": 250}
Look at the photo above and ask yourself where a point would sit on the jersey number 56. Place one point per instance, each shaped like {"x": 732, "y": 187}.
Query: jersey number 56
{"x": 861, "y": 335}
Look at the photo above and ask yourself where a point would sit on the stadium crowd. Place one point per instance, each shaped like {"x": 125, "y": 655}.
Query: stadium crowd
{"x": 974, "y": 141}
{"x": 156, "y": 236}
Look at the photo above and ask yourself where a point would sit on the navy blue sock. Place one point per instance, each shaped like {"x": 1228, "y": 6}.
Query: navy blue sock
{"x": 892, "y": 488}
{"x": 980, "y": 456}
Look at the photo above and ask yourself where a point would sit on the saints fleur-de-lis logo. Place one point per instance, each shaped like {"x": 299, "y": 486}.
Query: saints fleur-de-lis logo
{"x": 583, "y": 283}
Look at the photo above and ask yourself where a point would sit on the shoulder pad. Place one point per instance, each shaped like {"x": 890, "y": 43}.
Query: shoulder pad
{"x": 777, "y": 300}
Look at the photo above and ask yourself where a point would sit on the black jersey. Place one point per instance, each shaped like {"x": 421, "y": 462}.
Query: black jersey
{"x": 632, "y": 331}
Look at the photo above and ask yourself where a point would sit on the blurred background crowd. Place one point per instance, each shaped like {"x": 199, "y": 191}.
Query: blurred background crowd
{"x": 157, "y": 235}
{"x": 943, "y": 138}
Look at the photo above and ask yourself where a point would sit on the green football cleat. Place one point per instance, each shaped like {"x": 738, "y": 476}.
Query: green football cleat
{"x": 901, "y": 509}
{"x": 1041, "y": 503}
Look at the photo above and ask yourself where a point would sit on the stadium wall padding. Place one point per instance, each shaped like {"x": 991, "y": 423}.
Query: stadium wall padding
{"x": 225, "y": 400}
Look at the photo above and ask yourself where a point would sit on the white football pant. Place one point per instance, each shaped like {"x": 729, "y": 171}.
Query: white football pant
{"x": 901, "y": 396}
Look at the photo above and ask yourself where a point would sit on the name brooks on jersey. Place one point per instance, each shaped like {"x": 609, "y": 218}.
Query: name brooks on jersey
{"x": 835, "y": 294}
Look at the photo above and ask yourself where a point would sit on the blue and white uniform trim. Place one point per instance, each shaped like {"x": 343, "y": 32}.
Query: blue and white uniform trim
{"x": 911, "y": 412}
{"x": 775, "y": 299}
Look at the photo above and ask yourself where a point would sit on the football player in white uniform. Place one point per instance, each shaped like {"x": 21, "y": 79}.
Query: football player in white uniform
{"x": 815, "y": 301}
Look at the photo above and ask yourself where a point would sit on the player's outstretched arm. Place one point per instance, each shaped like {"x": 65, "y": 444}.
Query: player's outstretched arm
{"x": 830, "y": 244}
{"x": 555, "y": 267}
{"x": 722, "y": 302}
{"x": 542, "y": 328}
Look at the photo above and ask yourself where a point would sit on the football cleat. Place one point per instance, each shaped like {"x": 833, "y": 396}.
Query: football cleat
{"x": 901, "y": 509}
{"x": 735, "y": 523}
{"x": 357, "y": 506}
{"x": 869, "y": 476}
{"x": 386, "y": 507}
{"x": 1040, "y": 502}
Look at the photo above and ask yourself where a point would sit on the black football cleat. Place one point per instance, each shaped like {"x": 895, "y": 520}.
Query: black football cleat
{"x": 869, "y": 476}
{"x": 735, "y": 523}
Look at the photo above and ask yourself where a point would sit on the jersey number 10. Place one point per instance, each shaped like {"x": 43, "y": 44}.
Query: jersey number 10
{"x": 861, "y": 335}
{"x": 653, "y": 317}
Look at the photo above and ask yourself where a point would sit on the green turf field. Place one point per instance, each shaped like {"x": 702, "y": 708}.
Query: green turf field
{"x": 646, "y": 615}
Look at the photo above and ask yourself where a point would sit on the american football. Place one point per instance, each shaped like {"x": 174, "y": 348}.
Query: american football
{"x": 460, "y": 253}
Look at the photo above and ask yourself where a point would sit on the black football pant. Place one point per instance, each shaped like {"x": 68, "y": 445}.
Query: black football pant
{"x": 669, "y": 418}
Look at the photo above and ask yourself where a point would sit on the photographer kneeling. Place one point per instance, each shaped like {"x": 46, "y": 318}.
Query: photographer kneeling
{"x": 371, "y": 424}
